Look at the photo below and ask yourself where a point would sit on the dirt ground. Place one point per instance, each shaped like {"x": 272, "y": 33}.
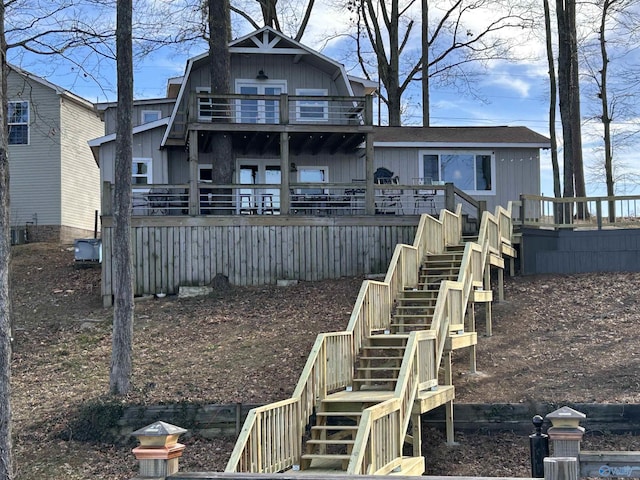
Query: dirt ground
{"x": 555, "y": 339}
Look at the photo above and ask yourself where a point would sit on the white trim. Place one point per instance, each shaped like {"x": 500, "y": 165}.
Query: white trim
{"x": 261, "y": 109}
{"x": 475, "y": 153}
{"x": 323, "y": 168}
{"x": 149, "y": 175}
{"x": 496, "y": 144}
{"x": 96, "y": 142}
{"x": 146, "y": 112}
{"x": 317, "y": 92}
{"x": 27, "y": 123}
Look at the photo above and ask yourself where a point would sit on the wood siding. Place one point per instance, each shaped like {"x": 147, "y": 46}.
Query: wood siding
{"x": 146, "y": 145}
{"x": 165, "y": 107}
{"x": 191, "y": 251}
{"x": 517, "y": 170}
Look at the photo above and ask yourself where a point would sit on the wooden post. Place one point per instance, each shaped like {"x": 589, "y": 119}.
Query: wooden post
{"x": 599, "y": 214}
{"x": 285, "y": 177}
{"x": 448, "y": 408}
{"x": 416, "y": 433}
{"x": 500, "y": 284}
{"x": 284, "y": 109}
{"x": 370, "y": 200}
{"x": 561, "y": 468}
{"x": 565, "y": 434}
{"x": 193, "y": 173}
{"x": 449, "y": 197}
{"x": 107, "y": 199}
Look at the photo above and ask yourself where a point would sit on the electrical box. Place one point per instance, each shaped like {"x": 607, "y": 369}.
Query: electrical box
{"x": 88, "y": 250}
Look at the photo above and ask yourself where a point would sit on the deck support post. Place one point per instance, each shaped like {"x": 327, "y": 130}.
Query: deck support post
{"x": 193, "y": 173}
{"x": 449, "y": 422}
{"x": 416, "y": 432}
{"x": 370, "y": 195}
{"x": 500, "y": 284}
{"x": 285, "y": 177}
{"x": 487, "y": 306}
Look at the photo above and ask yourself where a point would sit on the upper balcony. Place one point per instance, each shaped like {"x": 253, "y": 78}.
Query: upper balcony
{"x": 241, "y": 113}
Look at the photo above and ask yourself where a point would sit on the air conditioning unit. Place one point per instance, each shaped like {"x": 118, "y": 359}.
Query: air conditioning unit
{"x": 88, "y": 250}
{"x": 18, "y": 235}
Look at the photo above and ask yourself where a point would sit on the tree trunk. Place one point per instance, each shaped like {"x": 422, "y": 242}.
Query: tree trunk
{"x": 6, "y": 445}
{"x": 606, "y": 117}
{"x": 220, "y": 68}
{"x": 121, "y": 354}
{"x": 564, "y": 81}
{"x": 425, "y": 64}
{"x": 553, "y": 100}
{"x": 575, "y": 116}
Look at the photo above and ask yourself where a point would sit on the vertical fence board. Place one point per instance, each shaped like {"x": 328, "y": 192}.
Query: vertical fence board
{"x": 165, "y": 257}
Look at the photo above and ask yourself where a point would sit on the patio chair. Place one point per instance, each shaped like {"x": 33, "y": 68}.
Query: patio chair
{"x": 424, "y": 196}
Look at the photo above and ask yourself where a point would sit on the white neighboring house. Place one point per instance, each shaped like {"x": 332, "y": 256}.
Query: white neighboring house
{"x": 54, "y": 179}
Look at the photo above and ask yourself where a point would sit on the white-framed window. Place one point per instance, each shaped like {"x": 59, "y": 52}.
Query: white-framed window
{"x": 313, "y": 174}
{"x": 18, "y": 122}
{"x": 141, "y": 173}
{"x": 205, "y": 105}
{"x": 205, "y": 173}
{"x": 312, "y": 110}
{"x": 147, "y": 116}
{"x": 257, "y": 110}
{"x": 471, "y": 171}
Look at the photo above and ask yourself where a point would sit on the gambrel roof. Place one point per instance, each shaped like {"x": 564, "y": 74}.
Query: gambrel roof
{"x": 267, "y": 41}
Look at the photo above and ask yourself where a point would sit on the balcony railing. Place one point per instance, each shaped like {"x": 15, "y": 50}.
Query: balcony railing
{"x": 280, "y": 109}
{"x": 303, "y": 199}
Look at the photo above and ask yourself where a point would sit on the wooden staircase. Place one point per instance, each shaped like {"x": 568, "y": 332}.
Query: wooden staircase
{"x": 363, "y": 388}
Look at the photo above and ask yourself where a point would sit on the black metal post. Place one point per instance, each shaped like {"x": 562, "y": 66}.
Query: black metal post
{"x": 539, "y": 446}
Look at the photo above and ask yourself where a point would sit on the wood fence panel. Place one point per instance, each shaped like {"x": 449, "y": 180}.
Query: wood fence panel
{"x": 167, "y": 256}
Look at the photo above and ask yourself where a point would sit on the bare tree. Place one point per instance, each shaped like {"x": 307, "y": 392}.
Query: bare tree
{"x": 121, "y": 354}
{"x": 450, "y": 51}
{"x": 220, "y": 69}
{"x": 553, "y": 100}
{"x": 289, "y": 17}
{"x": 569, "y": 94}
{"x": 614, "y": 79}
{"x": 6, "y": 459}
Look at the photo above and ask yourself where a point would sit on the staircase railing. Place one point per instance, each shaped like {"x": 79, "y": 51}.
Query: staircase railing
{"x": 270, "y": 440}
{"x": 378, "y": 445}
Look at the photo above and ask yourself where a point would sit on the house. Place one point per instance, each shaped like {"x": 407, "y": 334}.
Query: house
{"x": 319, "y": 191}
{"x": 54, "y": 179}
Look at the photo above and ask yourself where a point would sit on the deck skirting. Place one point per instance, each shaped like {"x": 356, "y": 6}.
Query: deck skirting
{"x": 166, "y": 257}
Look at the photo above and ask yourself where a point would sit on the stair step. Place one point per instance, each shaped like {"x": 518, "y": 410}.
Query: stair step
{"x": 377, "y": 369}
{"x": 379, "y": 358}
{"x": 331, "y": 442}
{"x": 334, "y": 427}
{"x": 339, "y": 414}
{"x": 374, "y": 380}
{"x": 325, "y": 456}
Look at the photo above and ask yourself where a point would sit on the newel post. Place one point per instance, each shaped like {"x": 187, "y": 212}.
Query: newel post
{"x": 565, "y": 433}
{"x": 159, "y": 450}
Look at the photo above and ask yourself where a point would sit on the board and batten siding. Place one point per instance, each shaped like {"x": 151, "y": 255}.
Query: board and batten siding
{"x": 80, "y": 175}
{"x": 517, "y": 170}
{"x": 192, "y": 251}
{"x": 34, "y": 169}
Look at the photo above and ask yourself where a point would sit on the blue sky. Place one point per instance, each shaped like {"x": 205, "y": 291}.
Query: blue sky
{"x": 508, "y": 94}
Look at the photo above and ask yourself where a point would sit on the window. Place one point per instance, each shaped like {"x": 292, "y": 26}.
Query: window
{"x": 205, "y": 173}
{"x": 141, "y": 172}
{"x": 18, "y": 121}
{"x": 313, "y": 175}
{"x": 256, "y": 110}
{"x": 312, "y": 110}
{"x": 205, "y": 104}
{"x": 148, "y": 116}
{"x": 468, "y": 171}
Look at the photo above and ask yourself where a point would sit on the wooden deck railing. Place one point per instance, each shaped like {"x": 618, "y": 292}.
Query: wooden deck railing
{"x": 330, "y": 366}
{"x": 537, "y": 211}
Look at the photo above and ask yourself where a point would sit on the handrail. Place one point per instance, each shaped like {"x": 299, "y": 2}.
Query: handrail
{"x": 579, "y": 212}
{"x": 377, "y": 425}
{"x": 372, "y": 312}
